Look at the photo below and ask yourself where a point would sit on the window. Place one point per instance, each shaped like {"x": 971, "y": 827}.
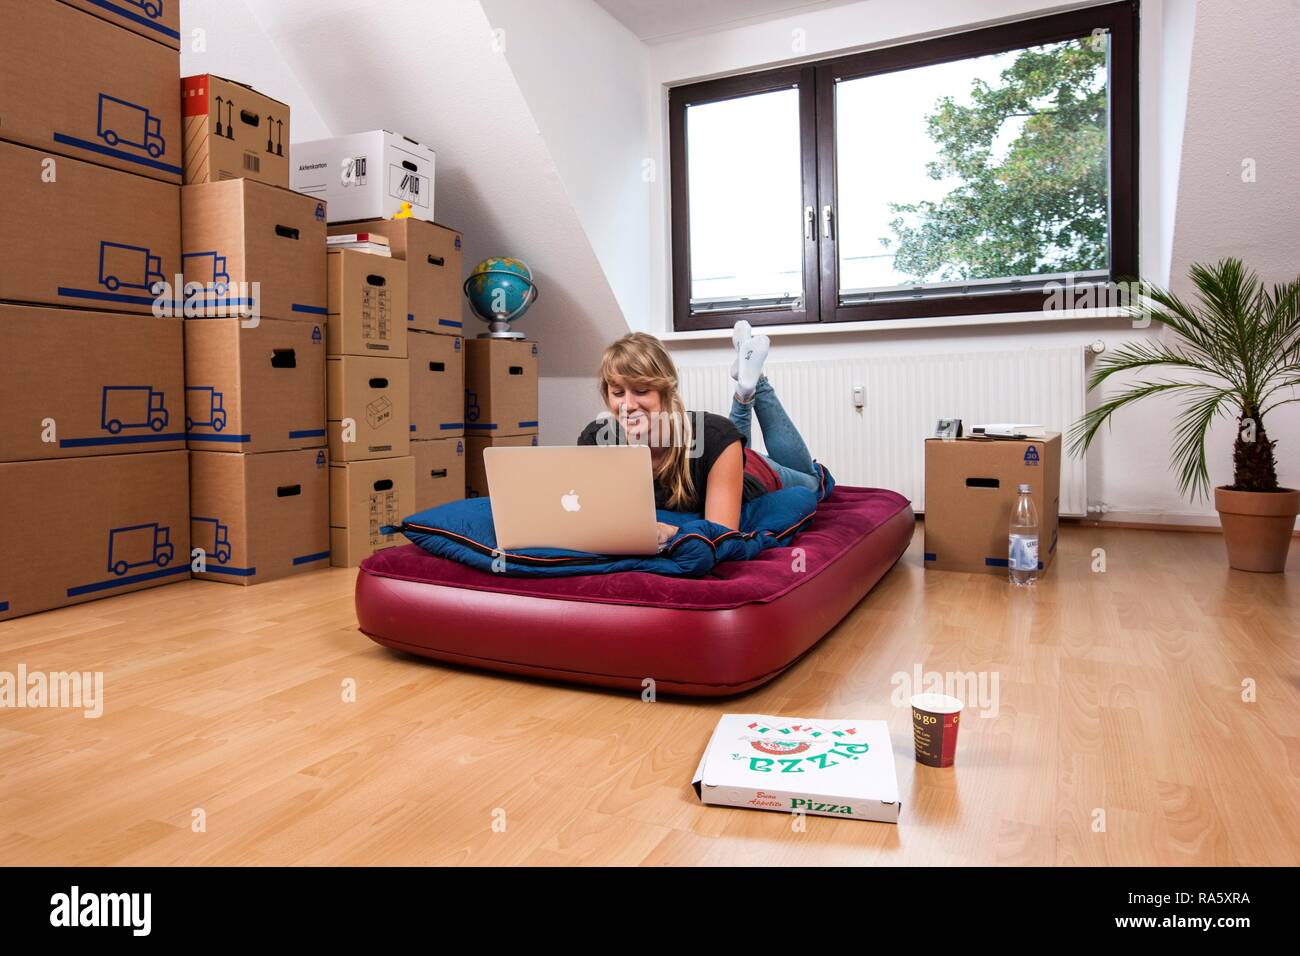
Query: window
{"x": 953, "y": 176}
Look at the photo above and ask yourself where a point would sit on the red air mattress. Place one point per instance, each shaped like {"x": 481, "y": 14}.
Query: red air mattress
{"x": 730, "y": 631}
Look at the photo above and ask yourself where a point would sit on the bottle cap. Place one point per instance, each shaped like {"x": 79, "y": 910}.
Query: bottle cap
{"x": 1024, "y": 489}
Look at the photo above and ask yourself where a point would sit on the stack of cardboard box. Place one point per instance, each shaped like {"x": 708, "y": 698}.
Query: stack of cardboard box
{"x": 255, "y": 307}
{"x": 93, "y": 469}
{"x": 372, "y": 473}
{"x": 500, "y": 401}
{"x": 431, "y": 262}
{"x": 384, "y": 187}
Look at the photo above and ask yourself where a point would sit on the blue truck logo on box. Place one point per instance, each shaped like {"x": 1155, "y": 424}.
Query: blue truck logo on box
{"x": 138, "y": 546}
{"x": 207, "y": 267}
{"x": 472, "y": 409}
{"x": 205, "y": 531}
{"x": 153, "y": 8}
{"x": 130, "y": 267}
{"x": 214, "y": 410}
{"x": 315, "y": 335}
{"x": 460, "y": 447}
{"x": 132, "y": 406}
{"x": 320, "y": 212}
{"x": 128, "y": 124}
{"x": 1031, "y": 455}
{"x": 456, "y": 347}
{"x": 320, "y": 459}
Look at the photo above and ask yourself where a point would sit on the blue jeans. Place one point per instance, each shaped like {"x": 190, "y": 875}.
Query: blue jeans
{"x": 787, "y": 453}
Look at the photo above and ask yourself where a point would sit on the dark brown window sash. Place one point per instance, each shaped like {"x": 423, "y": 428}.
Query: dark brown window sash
{"x": 816, "y": 84}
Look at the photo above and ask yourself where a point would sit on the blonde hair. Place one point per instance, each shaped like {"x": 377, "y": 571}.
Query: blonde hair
{"x": 641, "y": 361}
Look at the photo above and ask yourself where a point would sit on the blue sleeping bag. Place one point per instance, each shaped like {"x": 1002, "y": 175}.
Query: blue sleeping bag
{"x": 462, "y": 531}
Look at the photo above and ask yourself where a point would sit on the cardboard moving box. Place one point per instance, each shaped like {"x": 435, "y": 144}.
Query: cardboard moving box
{"x": 500, "y": 386}
{"x": 240, "y": 232}
{"x": 364, "y": 497}
{"x": 254, "y": 389}
{"x": 439, "y": 472}
{"x": 367, "y": 304}
{"x": 86, "y": 528}
{"x": 435, "y": 269}
{"x": 971, "y": 491}
{"x": 77, "y": 85}
{"x": 233, "y": 132}
{"x": 366, "y": 175}
{"x": 437, "y": 385}
{"x": 475, "y": 474}
{"x": 156, "y": 19}
{"x": 259, "y": 517}
{"x": 368, "y": 407}
{"x": 76, "y": 383}
{"x": 92, "y": 237}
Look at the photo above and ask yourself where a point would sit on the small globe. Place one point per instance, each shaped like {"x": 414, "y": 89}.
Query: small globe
{"x": 500, "y": 289}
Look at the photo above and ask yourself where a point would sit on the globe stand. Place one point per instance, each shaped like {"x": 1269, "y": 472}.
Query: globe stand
{"x": 500, "y": 329}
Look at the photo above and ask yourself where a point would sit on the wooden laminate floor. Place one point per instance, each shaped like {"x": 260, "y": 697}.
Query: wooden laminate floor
{"x": 1121, "y": 737}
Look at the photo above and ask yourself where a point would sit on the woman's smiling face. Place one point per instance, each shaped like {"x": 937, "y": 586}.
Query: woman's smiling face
{"x": 634, "y": 406}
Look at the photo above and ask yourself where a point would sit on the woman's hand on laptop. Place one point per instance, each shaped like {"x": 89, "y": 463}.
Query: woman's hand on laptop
{"x": 666, "y": 532}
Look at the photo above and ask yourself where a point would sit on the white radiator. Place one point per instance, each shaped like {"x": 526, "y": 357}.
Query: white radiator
{"x": 882, "y": 445}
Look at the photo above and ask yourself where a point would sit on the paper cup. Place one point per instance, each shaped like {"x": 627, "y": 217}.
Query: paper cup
{"x": 934, "y": 728}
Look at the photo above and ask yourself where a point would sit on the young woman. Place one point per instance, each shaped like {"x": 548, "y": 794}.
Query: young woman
{"x": 700, "y": 460}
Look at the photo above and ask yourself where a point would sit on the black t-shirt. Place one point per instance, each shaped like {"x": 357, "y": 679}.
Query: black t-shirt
{"x": 718, "y": 433}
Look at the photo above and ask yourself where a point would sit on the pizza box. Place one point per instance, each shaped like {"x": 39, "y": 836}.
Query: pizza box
{"x": 830, "y": 768}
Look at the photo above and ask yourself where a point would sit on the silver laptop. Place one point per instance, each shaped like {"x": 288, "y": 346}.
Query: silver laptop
{"x": 596, "y": 498}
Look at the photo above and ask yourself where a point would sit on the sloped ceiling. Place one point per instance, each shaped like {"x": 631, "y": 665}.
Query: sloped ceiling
{"x": 657, "y": 20}
{"x": 429, "y": 71}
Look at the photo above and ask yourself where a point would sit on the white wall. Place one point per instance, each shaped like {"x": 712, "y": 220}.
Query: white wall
{"x": 436, "y": 73}
{"x": 535, "y": 140}
{"x": 234, "y": 45}
{"x": 1244, "y": 103}
{"x": 586, "y": 78}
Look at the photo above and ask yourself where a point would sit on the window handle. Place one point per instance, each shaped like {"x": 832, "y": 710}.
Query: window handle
{"x": 828, "y": 221}
{"x": 809, "y": 222}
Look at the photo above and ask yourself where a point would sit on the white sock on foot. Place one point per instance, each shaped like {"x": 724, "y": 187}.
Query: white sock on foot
{"x": 750, "y": 366}
{"x": 741, "y": 333}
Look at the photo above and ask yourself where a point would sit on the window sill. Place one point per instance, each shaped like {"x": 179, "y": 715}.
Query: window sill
{"x": 890, "y": 325}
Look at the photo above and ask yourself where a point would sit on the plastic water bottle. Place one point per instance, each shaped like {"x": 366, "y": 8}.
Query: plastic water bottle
{"x": 1022, "y": 543}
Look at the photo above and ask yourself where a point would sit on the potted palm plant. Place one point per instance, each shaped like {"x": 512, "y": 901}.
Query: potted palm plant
{"x": 1238, "y": 352}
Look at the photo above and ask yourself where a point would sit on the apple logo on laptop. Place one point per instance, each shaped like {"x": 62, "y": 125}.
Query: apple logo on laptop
{"x": 570, "y": 501}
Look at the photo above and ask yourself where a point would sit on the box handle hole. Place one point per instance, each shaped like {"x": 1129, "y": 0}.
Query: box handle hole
{"x": 284, "y": 358}
{"x": 384, "y": 484}
{"x": 516, "y": 370}
{"x": 982, "y": 483}
{"x": 437, "y": 260}
{"x": 286, "y": 232}
{"x": 376, "y": 280}
{"x": 252, "y": 119}
{"x": 379, "y": 383}
{"x": 288, "y": 491}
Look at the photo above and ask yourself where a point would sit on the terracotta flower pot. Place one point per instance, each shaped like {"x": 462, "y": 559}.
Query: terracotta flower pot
{"x": 1257, "y": 526}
